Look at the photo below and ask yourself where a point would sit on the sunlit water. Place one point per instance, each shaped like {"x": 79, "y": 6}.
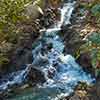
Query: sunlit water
{"x": 61, "y": 71}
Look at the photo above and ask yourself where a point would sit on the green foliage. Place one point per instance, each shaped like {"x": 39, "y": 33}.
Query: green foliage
{"x": 97, "y": 72}
{"x": 95, "y": 38}
{"x": 13, "y": 15}
{"x": 96, "y": 10}
{"x": 93, "y": 46}
{"x": 93, "y": 42}
{"x": 3, "y": 60}
{"x": 11, "y": 12}
{"x": 93, "y": 7}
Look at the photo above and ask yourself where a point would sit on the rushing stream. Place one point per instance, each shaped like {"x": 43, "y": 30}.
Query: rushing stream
{"x": 61, "y": 71}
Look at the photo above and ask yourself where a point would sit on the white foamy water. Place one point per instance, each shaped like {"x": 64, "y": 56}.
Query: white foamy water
{"x": 16, "y": 78}
{"x": 61, "y": 71}
{"x": 66, "y": 12}
{"x": 65, "y": 72}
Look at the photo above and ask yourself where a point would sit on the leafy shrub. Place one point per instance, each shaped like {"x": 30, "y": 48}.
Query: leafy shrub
{"x": 11, "y": 12}
{"x": 96, "y": 10}
{"x": 93, "y": 8}
{"x": 93, "y": 46}
{"x": 95, "y": 38}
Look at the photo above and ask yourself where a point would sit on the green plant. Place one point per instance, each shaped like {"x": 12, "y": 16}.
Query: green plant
{"x": 93, "y": 46}
{"x": 3, "y": 60}
{"x": 93, "y": 8}
{"x": 11, "y": 12}
{"x": 96, "y": 12}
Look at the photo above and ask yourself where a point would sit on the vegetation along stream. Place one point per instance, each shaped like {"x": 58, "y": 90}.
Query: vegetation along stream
{"x": 59, "y": 71}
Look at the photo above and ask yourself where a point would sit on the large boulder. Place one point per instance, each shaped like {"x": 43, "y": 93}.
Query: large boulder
{"x": 35, "y": 75}
{"x": 85, "y": 61}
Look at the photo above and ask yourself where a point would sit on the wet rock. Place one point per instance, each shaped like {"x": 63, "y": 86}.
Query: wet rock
{"x": 51, "y": 72}
{"x": 56, "y": 3}
{"x": 48, "y": 18}
{"x": 21, "y": 57}
{"x": 88, "y": 93}
{"x": 71, "y": 39}
{"x": 35, "y": 9}
{"x": 75, "y": 97}
{"x": 94, "y": 92}
{"x": 2, "y": 97}
{"x": 85, "y": 61}
{"x": 35, "y": 75}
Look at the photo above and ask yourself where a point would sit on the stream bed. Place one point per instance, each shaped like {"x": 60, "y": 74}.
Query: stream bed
{"x": 61, "y": 71}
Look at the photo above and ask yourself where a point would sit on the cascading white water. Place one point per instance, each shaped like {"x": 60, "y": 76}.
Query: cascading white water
{"x": 65, "y": 72}
{"x": 15, "y": 78}
{"x": 61, "y": 71}
{"x": 66, "y": 13}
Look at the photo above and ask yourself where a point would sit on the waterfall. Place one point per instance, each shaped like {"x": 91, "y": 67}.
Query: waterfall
{"x": 61, "y": 71}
